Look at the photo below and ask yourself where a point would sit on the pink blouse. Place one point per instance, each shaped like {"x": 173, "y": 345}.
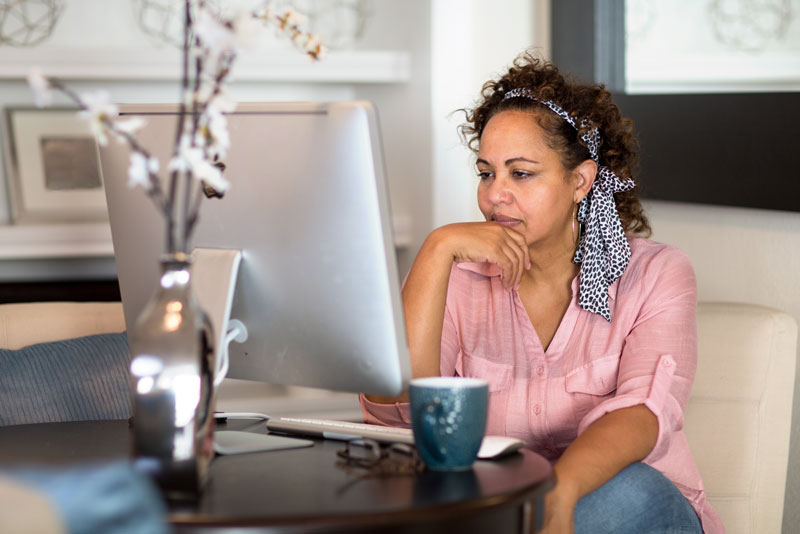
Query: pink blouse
{"x": 646, "y": 355}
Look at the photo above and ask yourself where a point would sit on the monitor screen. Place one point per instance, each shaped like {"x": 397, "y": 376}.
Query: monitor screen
{"x": 308, "y": 208}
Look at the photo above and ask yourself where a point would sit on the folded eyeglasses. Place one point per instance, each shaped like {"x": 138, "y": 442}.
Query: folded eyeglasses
{"x": 379, "y": 460}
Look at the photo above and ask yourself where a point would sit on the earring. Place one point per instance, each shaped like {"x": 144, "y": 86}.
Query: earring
{"x": 574, "y": 218}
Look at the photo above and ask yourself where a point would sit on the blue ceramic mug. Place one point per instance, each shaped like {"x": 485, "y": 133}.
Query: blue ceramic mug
{"x": 448, "y": 417}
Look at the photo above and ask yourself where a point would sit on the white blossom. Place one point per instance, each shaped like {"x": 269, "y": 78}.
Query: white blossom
{"x": 128, "y": 126}
{"x": 315, "y": 48}
{"x": 218, "y": 130}
{"x": 193, "y": 159}
{"x": 214, "y": 125}
{"x": 294, "y": 18}
{"x": 290, "y": 20}
{"x": 299, "y": 39}
{"x": 214, "y": 35}
{"x": 180, "y": 162}
{"x": 212, "y": 134}
{"x": 264, "y": 11}
{"x": 98, "y": 108}
{"x": 140, "y": 170}
{"x": 211, "y": 175}
{"x": 223, "y": 101}
{"x": 42, "y": 92}
{"x": 310, "y": 44}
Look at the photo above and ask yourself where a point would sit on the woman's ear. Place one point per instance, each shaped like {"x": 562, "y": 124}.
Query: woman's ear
{"x": 585, "y": 173}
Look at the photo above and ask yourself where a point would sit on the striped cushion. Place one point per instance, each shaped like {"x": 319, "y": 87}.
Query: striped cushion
{"x": 79, "y": 379}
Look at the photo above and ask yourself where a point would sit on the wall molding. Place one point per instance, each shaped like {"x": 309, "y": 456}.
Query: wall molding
{"x": 712, "y": 73}
{"x": 130, "y": 64}
{"x": 39, "y": 241}
{"x": 93, "y": 240}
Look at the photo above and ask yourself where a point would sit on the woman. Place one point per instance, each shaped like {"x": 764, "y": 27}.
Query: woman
{"x": 584, "y": 330}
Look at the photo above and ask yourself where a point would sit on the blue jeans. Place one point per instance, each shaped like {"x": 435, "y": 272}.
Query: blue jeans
{"x": 638, "y": 500}
{"x": 100, "y": 498}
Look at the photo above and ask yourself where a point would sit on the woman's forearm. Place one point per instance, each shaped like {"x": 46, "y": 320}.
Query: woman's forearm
{"x": 424, "y": 296}
{"x": 425, "y": 290}
{"x": 608, "y": 446}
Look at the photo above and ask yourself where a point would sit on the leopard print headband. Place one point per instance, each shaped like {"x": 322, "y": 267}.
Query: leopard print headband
{"x": 603, "y": 251}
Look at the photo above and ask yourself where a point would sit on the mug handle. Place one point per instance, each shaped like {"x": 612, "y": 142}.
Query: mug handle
{"x": 430, "y": 430}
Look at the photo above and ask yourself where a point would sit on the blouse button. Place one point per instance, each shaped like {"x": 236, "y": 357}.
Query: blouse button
{"x": 540, "y": 370}
{"x": 537, "y": 409}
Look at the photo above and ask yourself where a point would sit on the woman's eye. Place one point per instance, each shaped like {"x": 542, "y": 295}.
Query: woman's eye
{"x": 522, "y": 174}
{"x": 483, "y": 175}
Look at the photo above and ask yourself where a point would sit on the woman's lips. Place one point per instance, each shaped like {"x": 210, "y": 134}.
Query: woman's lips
{"x": 505, "y": 221}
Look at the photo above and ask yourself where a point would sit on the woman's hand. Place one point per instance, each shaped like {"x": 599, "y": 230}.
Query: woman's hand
{"x": 490, "y": 242}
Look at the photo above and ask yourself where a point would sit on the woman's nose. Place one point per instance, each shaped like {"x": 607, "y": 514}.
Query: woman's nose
{"x": 499, "y": 193}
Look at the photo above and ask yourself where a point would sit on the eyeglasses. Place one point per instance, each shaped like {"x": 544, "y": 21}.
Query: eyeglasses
{"x": 378, "y": 460}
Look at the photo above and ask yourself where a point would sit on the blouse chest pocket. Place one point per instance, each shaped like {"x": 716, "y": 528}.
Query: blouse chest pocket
{"x": 598, "y": 377}
{"x": 499, "y": 376}
{"x": 588, "y": 385}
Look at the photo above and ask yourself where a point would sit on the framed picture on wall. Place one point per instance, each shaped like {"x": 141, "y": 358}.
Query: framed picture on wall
{"x": 52, "y": 167}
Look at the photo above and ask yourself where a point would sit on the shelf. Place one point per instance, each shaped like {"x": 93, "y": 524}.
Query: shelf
{"x": 93, "y": 240}
{"x": 41, "y": 241}
{"x": 369, "y": 66}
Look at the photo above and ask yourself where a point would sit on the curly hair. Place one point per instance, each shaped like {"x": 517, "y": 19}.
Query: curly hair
{"x": 618, "y": 146}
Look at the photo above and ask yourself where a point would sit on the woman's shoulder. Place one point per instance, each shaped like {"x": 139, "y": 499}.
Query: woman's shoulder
{"x": 656, "y": 263}
{"x": 655, "y": 254}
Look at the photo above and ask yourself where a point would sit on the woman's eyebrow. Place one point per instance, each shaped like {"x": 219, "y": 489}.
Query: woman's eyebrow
{"x": 508, "y": 161}
{"x": 518, "y": 159}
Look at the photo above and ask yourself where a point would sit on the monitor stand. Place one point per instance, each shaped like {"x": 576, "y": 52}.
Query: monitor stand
{"x": 214, "y": 273}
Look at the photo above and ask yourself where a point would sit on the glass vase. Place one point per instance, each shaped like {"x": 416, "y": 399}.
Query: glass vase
{"x": 172, "y": 383}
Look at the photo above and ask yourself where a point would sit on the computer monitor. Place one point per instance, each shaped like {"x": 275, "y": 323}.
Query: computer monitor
{"x": 308, "y": 207}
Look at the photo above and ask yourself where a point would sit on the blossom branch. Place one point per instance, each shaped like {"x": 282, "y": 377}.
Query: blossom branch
{"x": 99, "y": 117}
{"x": 201, "y": 135}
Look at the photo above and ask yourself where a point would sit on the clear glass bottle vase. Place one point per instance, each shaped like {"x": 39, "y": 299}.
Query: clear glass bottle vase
{"x": 172, "y": 368}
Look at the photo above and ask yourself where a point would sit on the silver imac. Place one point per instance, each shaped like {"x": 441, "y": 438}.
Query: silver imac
{"x": 308, "y": 208}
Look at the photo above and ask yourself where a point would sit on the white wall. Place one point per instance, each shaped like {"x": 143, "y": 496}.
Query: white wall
{"x": 405, "y": 116}
{"x": 473, "y": 41}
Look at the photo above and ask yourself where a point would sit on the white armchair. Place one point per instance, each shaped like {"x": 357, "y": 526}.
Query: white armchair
{"x": 739, "y": 415}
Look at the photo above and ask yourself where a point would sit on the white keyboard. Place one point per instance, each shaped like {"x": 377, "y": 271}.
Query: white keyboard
{"x": 340, "y": 430}
{"x": 491, "y": 447}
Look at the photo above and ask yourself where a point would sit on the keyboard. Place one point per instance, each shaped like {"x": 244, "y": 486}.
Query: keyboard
{"x": 491, "y": 447}
{"x": 339, "y": 430}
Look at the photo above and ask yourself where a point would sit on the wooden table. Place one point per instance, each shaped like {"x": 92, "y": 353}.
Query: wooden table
{"x": 303, "y": 490}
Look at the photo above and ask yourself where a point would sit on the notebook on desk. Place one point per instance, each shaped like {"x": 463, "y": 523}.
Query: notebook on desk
{"x": 491, "y": 447}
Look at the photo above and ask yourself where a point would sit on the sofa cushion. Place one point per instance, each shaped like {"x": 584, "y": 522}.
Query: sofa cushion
{"x": 27, "y": 323}
{"x": 78, "y": 379}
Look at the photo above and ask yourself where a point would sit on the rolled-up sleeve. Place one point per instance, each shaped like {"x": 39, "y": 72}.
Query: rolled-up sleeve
{"x": 396, "y": 414}
{"x": 659, "y": 358}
